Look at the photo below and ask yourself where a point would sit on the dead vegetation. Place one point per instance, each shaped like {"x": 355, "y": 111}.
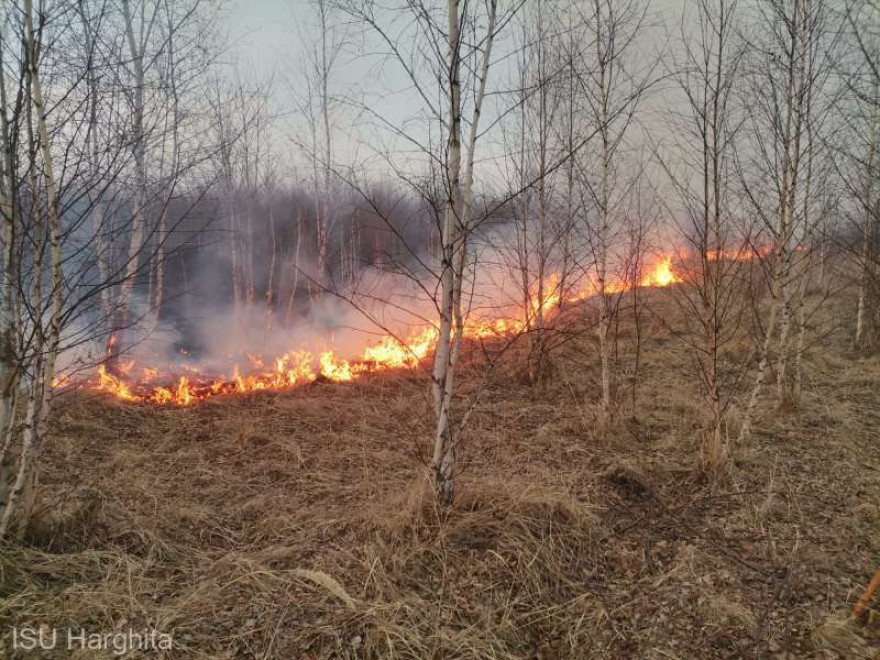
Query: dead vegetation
{"x": 302, "y": 525}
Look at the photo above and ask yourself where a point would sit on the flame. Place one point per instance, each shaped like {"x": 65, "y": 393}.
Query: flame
{"x": 392, "y": 353}
{"x": 494, "y": 328}
{"x": 183, "y": 395}
{"x": 551, "y": 293}
{"x": 299, "y": 367}
{"x": 161, "y": 395}
{"x": 745, "y": 253}
{"x": 110, "y": 383}
{"x": 62, "y": 380}
{"x": 661, "y": 275}
{"x": 333, "y": 369}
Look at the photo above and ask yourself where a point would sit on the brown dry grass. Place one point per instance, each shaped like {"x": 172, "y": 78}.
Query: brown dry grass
{"x": 300, "y": 525}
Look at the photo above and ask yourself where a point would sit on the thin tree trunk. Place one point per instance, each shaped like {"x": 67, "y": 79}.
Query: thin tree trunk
{"x": 97, "y": 206}
{"x": 41, "y": 392}
{"x": 782, "y": 259}
{"x": 867, "y": 234}
{"x": 443, "y": 461}
{"x": 604, "y": 202}
{"x": 797, "y": 98}
{"x": 802, "y": 332}
{"x": 539, "y": 347}
{"x": 455, "y": 238}
{"x": 9, "y": 368}
{"x": 235, "y": 266}
{"x": 270, "y": 283}
{"x": 159, "y": 256}
{"x": 249, "y": 260}
{"x": 805, "y": 273}
{"x": 291, "y": 302}
{"x": 136, "y": 244}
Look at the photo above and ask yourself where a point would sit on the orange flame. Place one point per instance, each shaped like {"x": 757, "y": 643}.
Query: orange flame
{"x": 110, "y": 383}
{"x": 662, "y": 275}
{"x": 297, "y": 368}
{"x": 333, "y": 369}
{"x": 183, "y": 395}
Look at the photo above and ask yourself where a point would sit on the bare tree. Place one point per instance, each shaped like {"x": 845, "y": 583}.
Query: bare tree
{"x": 788, "y": 80}
{"x": 863, "y": 82}
{"x": 451, "y": 58}
{"x": 40, "y": 393}
{"x": 314, "y": 98}
{"x": 708, "y": 77}
{"x": 535, "y": 147}
{"x": 612, "y": 90}
{"x": 66, "y": 215}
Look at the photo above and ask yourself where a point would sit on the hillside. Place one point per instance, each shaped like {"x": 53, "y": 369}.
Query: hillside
{"x": 301, "y": 524}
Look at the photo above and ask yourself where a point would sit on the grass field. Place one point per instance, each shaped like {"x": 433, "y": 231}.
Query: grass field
{"x": 300, "y": 525}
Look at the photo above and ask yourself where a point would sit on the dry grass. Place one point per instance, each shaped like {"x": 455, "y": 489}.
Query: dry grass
{"x": 301, "y": 526}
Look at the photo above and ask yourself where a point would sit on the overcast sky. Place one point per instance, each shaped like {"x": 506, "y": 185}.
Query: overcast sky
{"x": 268, "y": 38}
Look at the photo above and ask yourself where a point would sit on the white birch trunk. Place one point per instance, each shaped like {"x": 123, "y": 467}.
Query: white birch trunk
{"x": 780, "y": 304}
{"x": 8, "y": 290}
{"x": 136, "y": 49}
{"x": 603, "y": 211}
{"x": 867, "y": 233}
{"x": 797, "y": 99}
{"x": 40, "y": 401}
{"x": 454, "y": 247}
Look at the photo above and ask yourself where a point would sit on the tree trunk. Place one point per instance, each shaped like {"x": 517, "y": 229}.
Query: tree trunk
{"x": 867, "y": 233}
{"x": 602, "y": 270}
{"x": 454, "y": 242}
{"x": 9, "y": 368}
{"x": 136, "y": 244}
{"x": 40, "y": 401}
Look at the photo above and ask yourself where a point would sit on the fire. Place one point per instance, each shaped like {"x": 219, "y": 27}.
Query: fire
{"x": 392, "y": 353}
{"x": 110, "y": 383}
{"x": 333, "y": 369}
{"x": 300, "y": 367}
{"x": 183, "y": 395}
{"x": 62, "y": 380}
{"x": 662, "y": 275}
{"x": 552, "y": 294}
{"x": 161, "y": 395}
{"x": 746, "y": 253}
{"x": 494, "y": 328}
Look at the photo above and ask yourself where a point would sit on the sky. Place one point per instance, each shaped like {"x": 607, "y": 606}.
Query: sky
{"x": 267, "y": 38}
{"x": 266, "y": 31}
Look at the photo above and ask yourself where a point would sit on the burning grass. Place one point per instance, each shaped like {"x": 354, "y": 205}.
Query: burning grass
{"x": 135, "y": 383}
{"x": 299, "y": 524}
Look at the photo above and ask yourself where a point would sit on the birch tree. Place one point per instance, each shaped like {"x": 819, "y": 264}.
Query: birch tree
{"x": 788, "y": 82}
{"x": 864, "y": 85}
{"x": 137, "y": 40}
{"x": 535, "y": 147}
{"x": 612, "y": 89}
{"x": 40, "y": 393}
{"x": 457, "y": 226}
{"x": 314, "y": 97}
{"x": 449, "y": 69}
{"x": 60, "y": 266}
{"x": 702, "y": 177}
{"x": 9, "y": 358}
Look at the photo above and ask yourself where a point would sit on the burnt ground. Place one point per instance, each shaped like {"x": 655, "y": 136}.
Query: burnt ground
{"x": 300, "y": 525}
